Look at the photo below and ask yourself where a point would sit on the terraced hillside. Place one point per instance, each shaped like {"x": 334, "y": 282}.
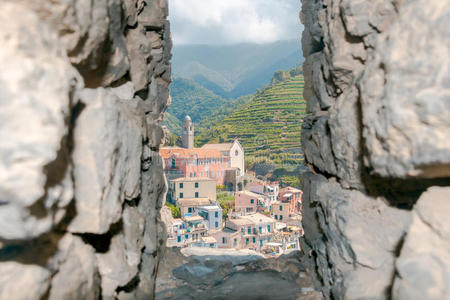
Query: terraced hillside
{"x": 268, "y": 127}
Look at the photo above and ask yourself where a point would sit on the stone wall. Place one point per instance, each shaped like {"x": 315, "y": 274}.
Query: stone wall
{"x": 377, "y": 141}
{"x": 83, "y": 86}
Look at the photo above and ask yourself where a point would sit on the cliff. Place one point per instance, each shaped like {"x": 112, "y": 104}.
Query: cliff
{"x": 377, "y": 142}
{"x": 83, "y": 87}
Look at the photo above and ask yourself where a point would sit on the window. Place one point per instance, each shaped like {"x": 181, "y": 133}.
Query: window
{"x": 249, "y": 229}
{"x": 242, "y": 229}
{"x": 276, "y": 217}
{"x": 186, "y": 236}
{"x": 181, "y": 195}
{"x": 196, "y": 194}
{"x": 181, "y": 185}
{"x": 190, "y": 210}
{"x": 217, "y": 224}
{"x": 254, "y": 240}
{"x": 235, "y": 242}
{"x": 281, "y": 217}
{"x": 173, "y": 163}
{"x": 260, "y": 243}
{"x": 216, "y": 214}
{"x": 236, "y": 153}
{"x": 247, "y": 241}
{"x": 268, "y": 228}
{"x": 224, "y": 240}
{"x": 260, "y": 230}
{"x": 281, "y": 208}
{"x": 252, "y": 201}
{"x": 196, "y": 184}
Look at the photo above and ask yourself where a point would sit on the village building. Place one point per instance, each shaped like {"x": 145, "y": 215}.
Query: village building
{"x": 268, "y": 190}
{"x": 281, "y": 211}
{"x": 284, "y": 241}
{"x": 224, "y": 163}
{"x": 187, "y": 205}
{"x": 212, "y": 214}
{"x": 187, "y": 135}
{"x": 191, "y": 231}
{"x": 247, "y": 202}
{"x": 292, "y": 196}
{"x": 255, "y": 230}
{"x": 186, "y": 187}
{"x": 205, "y": 242}
{"x": 227, "y": 238}
{"x": 194, "y": 163}
{"x": 233, "y": 151}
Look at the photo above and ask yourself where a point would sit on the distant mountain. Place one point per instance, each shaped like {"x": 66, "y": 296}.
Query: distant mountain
{"x": 231, "y": 71}
{"x": 189, "y": 98}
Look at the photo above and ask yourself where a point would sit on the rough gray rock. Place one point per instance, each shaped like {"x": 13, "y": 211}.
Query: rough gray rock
{"x": 200, "y": 273}
{"x": 81, "y": 176}
{"x": 36, "y": 84}
{"x": 20, "y": 281}
{"x": 105, "y": 177}
{"x": 406, "y": 121}
{"x": 376, "y": 83}
{"x": 424, "y": 261}
{"x": 75, "y": 260}
{"x": 348, "y": 222}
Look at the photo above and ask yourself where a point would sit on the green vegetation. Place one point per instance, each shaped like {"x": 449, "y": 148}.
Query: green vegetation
{"x": 217, "y": 116}
{"x": 189, "y": 98}
{"x": 268, "y": 127}
{"x": 226, "y": 201}
{"x": 172, "y": 122}
{"x": 176, "y": 212}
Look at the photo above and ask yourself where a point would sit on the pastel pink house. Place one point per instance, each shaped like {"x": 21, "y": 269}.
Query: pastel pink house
{"x": 247, "y": 202}
{"x": 194, "y": 163}
{"x": 292, "y": 196}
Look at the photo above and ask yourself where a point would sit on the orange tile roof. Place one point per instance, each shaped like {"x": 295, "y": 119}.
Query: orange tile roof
{"x": 188, "y": 153}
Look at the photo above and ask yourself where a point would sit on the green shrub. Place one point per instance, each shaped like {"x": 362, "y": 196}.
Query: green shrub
{"x": 176, "y": 212}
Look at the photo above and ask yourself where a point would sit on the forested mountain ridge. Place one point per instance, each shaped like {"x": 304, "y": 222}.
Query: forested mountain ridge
{"x": 231, "y": 71}
{"x": 189, "y": 98}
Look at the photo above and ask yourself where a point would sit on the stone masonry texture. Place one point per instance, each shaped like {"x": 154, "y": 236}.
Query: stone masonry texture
{"x": 83, "y": 88}
{"x": 377, "y": 141}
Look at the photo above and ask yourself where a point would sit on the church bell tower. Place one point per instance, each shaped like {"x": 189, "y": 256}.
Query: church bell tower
{"x": 187, "y": 136}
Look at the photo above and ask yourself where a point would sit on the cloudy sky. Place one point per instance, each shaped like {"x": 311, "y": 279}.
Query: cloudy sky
{"x": 234, "y": 21}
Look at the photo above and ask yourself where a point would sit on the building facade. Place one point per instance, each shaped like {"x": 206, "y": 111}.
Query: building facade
{"x": 212, "y": 214}
{"x": 255, "y": 230}
{"x": 187, "y": 134}
{"x": 294, "y": 197}
{"x": 247, "y": 202}
{"x": 281, "y": 211}
{"x": 187, "y": 188}
{"x": 188, "y": 205}
{"x": 194, "y": 163}
{"x": 234, "y": 151}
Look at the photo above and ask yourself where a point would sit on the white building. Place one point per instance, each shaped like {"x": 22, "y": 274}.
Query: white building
{"x": 212, "y": 215}
{"x": 234, "y": 151}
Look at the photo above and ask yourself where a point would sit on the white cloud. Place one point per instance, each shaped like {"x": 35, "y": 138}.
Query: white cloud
{"x": 234, "y": 21}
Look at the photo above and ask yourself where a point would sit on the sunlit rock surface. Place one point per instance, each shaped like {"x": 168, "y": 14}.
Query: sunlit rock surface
{"x": 377, "y": 142}
{"x": 201, "y": 273}
{"x": 83, "y": 88}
